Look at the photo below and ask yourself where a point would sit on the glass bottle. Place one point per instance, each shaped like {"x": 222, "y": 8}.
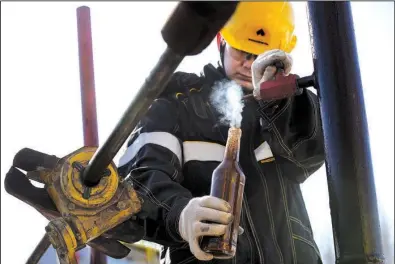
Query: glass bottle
{"x": 228, "y": 184}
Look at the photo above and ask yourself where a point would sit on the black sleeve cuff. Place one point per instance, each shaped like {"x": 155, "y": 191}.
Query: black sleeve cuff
{"x": 173, "y": 217}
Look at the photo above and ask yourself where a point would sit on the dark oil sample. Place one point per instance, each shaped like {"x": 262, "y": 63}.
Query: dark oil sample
{"x": 228, "y": 184}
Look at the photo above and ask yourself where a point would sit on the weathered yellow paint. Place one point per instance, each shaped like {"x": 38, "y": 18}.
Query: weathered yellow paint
{"x": 72, "y": 184}
{"x": 110, "y": 203}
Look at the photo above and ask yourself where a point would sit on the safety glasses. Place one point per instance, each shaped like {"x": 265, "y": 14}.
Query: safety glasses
{"x": 240, "y": 55}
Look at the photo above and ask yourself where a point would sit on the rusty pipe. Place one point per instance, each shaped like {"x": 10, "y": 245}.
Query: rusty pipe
{"x": 87, "y": 77}
{"x": 88, "y": 95}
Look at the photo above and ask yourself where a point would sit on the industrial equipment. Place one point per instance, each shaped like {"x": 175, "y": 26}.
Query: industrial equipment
{"x": 92, "y": 198}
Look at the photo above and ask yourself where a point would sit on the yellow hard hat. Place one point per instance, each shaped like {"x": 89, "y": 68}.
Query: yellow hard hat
{"x": 256, "y": 27}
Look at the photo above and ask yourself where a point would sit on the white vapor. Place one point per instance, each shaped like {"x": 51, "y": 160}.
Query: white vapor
{"x": 227, "y": 99}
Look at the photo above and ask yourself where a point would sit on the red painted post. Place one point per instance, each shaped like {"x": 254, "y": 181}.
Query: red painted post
{"x": 88, "y": 97}
{"x": 87, "y": 78}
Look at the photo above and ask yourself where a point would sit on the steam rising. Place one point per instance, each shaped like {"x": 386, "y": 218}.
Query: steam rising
{"x": 227, "y": 99}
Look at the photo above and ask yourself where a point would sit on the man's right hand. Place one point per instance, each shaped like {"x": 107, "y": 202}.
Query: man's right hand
{"x": 263, "y": 69}
{"x": 192, "y": 218}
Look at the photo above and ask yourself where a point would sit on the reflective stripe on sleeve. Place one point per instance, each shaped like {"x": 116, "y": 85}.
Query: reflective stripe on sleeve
{"x": 163, "y": 139}
{"x": 203, "y": 151}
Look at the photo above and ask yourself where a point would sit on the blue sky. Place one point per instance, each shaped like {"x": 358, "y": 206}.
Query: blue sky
{"x": 40, "y": 102}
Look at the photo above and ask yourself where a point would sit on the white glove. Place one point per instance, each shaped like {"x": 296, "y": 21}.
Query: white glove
{"x": 262, "y": 68}
{"x": 198, "y": 210}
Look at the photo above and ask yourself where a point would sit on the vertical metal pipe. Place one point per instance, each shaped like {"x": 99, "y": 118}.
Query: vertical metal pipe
{"x": 353, "y": 202}
{"x": 88, "y": 97}
{"x": 87, "y": 78}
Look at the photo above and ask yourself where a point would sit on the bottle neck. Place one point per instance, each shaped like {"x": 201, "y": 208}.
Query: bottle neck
{"x": 232, "y": 148}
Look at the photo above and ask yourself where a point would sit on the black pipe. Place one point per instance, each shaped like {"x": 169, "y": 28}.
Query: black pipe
{"x": 188, "y": 31}
{"x": 152, "y": 87}
{"x": 306, "y": 82}
{"x": 39, "y": 251}
{"x": 353, "y": 202}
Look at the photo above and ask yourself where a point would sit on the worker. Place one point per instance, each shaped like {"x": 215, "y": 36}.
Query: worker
{"x": 174, "y": 149}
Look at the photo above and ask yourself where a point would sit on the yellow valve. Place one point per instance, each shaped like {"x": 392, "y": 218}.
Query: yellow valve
{"x": 86, "y": 212}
